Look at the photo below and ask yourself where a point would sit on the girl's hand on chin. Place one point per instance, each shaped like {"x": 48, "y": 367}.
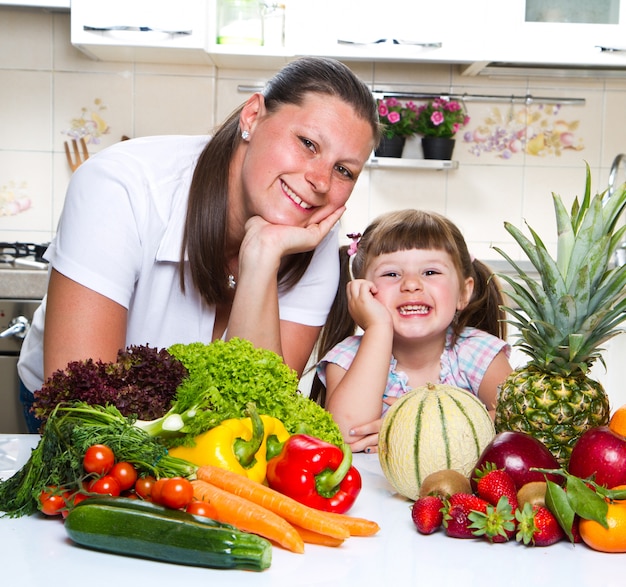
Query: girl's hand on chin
{"x": 288, "y": 239}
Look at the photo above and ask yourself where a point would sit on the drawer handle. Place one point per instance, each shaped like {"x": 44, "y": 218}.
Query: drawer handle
{"x": 140, "y": 29}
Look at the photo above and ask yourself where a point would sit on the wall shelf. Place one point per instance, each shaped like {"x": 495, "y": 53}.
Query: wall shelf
{"x": 399, "y": 163}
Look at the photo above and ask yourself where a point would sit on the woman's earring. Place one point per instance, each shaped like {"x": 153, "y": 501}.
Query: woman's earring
{"x": 245, "y": 135}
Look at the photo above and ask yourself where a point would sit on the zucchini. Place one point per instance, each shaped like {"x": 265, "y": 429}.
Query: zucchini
{"x": 145, "y": 530}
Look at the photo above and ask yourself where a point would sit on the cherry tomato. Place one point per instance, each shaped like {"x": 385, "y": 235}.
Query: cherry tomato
{"x": 125, "y": 473}
{"x": 143, "y": 486}
{"x": 200, "y": 508}
{"x": 176, "y": 493}
{"x": 72, "y": 501}
{"x": 157, "y": 489}
{"x": 76, "y": 499}
{"x": 106, "y": 485}
{"x": 98, "y": 459}
{"x": 52, "y": 502}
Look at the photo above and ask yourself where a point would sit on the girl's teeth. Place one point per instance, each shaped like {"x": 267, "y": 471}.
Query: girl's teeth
{"x": 414, "y": 309}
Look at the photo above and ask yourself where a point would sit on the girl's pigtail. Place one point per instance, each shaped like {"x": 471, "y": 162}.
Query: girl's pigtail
{"x": 485, "y": 308}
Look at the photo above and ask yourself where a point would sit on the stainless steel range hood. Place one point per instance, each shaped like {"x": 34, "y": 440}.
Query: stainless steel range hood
{"x": 521, "y": 69}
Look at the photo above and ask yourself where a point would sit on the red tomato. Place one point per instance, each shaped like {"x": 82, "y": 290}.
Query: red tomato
{"x": 200, "y": 508}
{"x": 176, "y": 493}
{"x": 125, "y": 473}
{"x": 98, "y": 459}
{"x": 143, "y": 486}
{"x": 106, "y": 485}
{"x": 76, "y": 499}
{"x": 157, "y": 489}
{"x": 52, "y": 503}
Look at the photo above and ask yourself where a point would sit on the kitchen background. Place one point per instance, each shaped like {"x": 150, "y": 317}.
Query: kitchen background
{"x": 511, "y": 156}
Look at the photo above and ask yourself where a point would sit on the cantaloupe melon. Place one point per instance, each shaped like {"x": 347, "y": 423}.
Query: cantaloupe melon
{"x": 431, "y": 428}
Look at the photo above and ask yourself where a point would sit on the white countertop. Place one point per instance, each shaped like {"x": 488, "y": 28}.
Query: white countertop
{"x": 40, "y": 552}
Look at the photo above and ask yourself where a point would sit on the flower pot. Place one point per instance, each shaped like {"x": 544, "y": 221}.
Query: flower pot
{"x": 390, "y": 147}
{"x": 437, "y": 147}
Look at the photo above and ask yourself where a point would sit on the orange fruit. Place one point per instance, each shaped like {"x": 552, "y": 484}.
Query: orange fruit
{"x": 617, "y": 423}
{"x": 611, "y": 539}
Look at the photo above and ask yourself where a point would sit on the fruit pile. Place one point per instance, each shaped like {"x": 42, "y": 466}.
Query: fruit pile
{"x": 518, "y": 492}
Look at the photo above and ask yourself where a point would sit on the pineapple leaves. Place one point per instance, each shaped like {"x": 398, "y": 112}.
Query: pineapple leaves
{"x": 581, "y": 299}
{"x": 565, "y": 234}
{"x": 533, "y": 300}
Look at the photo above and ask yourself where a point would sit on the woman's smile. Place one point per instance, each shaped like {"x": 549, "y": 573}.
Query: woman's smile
{"x": 295, "y": 198}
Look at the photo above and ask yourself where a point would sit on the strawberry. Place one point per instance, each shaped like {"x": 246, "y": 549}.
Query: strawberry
{"x": 537, "y": 526}
{"x": 456, "y": 511}
{"x": 427, "y": 514}
{"x": 576, "y": 537}
{"x": 492, "y": 483}
{"x": 497, "y": 523}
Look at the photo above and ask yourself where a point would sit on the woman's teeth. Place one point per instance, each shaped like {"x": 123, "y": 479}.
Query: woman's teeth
{"x": 296, "y": 199}
{"x": 413, "y": 309}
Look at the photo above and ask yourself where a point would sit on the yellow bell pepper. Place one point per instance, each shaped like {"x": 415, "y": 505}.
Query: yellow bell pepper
{"x": 241, "y": 445}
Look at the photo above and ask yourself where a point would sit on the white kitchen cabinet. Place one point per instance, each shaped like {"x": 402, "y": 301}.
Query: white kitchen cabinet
{"x": 141, "y": 30}
{"x": 482, "y": 37}
{"x": 558, "y": 37}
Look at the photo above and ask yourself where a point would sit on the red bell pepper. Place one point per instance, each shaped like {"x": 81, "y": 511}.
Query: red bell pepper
{"x": 315, "y": 473}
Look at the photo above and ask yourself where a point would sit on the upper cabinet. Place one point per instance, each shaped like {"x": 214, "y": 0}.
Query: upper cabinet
{"x": 141, "y": 30}
{"x": 553, "y": 36}
{"x": 481, "y": 36}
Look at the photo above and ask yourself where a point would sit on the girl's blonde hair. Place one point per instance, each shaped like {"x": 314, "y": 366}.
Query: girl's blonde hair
{"x": 405, "y": 230}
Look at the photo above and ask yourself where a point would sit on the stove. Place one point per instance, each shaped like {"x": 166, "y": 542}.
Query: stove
{"x": 27, "y": 255}
{"x": 23, "y": 272}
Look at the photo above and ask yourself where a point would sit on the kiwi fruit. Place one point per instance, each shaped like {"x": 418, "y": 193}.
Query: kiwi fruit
{"x": 533, "y": 493}
{"x": 445, "y": 483}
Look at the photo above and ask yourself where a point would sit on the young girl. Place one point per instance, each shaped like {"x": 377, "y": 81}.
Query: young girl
{"x": 428, "y": 312}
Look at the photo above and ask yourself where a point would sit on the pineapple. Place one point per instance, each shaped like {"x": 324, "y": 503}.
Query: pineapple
{"x": 563, "y": 321}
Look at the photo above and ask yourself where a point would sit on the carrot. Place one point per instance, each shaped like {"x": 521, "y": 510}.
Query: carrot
{"x": 311, "y": 537}
{"x": 286, "y": 507}
{"x": 248, "y": 516}
{"x": 356, "y": 526}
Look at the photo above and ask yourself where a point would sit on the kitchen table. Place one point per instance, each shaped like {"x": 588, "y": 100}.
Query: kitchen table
{"x": 36, "y": 551}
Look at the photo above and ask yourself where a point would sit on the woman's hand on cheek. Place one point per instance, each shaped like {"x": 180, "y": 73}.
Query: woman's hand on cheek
{"x": 285, "y": 239}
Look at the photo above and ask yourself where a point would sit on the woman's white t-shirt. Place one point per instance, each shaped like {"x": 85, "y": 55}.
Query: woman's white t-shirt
{"x": 120, "y": 235}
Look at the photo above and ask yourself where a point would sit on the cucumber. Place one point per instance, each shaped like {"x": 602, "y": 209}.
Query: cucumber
{"x": 145, "y": 530}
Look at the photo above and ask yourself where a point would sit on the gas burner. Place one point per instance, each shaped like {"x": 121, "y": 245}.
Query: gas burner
{"x": 12, "y": 252}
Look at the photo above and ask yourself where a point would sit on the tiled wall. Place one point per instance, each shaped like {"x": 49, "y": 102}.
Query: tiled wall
{"x": 51, "y": 91}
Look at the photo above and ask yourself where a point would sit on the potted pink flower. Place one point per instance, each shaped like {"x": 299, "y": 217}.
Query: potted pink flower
{"x": 440, "y": 119}
{"x": 398, "y": 122}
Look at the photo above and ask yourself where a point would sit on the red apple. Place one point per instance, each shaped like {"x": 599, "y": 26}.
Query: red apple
{"x": 517, "y": 453}
{"x": 601, "y": 453}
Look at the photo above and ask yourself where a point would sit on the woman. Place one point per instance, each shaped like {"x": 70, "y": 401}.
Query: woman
{"x": 169, "y": 240}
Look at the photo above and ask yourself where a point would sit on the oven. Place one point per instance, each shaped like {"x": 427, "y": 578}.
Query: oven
{"x": 23, "y": 280}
